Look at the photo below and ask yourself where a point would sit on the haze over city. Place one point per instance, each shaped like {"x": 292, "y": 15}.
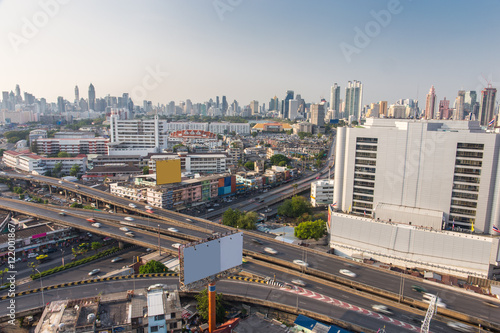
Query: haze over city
{"x": 248, "y": 50}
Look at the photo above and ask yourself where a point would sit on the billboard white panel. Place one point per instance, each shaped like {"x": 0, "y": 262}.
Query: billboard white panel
{"x": 212, "y": 257}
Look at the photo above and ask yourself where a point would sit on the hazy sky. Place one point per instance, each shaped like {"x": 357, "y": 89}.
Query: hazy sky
{"x": 248, "y": 49}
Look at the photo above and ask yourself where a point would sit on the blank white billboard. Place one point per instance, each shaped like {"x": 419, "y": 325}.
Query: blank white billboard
{"x": 210, "y": 258}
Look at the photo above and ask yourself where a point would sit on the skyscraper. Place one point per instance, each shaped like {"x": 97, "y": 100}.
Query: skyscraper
{"x": 488, "y": 96}
{"x": 91, "y": 97}
{"x": 273, "y": 104}
{"x": 60, "y": 104}
{"x": 444, "y": 109}
{"x": 383, "y": 108}
{"x": 430, "y": 103}
{"x": 353, "y": 99}
{"x": 285, "y": 106}
{"x": 335, "y": 100}
{"x": 318, "y": 114}
{"x": 19, "y": 99}
{"x": 224, "y": 105}
{"x": 293, "y": 108}
{"x": 459, "y": 106}
{"x": 254, "y": 106}
{"x": 470, "y": 103}
{"x": 217, "y": 101}
{"x": 77, "y": 95}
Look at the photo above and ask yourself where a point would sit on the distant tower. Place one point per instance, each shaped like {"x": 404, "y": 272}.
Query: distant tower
{"x": 77, "y": 95}
{"x": 335, "y": 100}
{"x": 60, "y": 104}
{"x": 353, "y": 99}
{"x": 487, "y": 110}
{"x": 318, "y": 114}
{"x": 254, "y": 106}
{"x": 382, "y": 108}
{"x": 444, "y": 109}
{"x": 18, "y": 94}
{"x": 285, "y": 108}
{"x": 217, "y": 101}
{"x": 224, "y": 105}
{"x": 91, "y": 97}
{"x": 430, "y": 103}
{"x": 459, "y": 106}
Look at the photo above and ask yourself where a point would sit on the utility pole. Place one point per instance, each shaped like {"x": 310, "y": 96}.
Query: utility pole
{"x": 159, "y": 247}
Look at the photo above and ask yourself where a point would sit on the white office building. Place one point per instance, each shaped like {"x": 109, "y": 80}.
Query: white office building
{"x": 431, "y": 175}
{"x": 196, "y": 163}
{"x": 137, "y": 137}
{"x": 322, "y": 192}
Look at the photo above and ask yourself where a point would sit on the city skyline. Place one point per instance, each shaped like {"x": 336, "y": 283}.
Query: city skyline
{"x": 178, "y": 51}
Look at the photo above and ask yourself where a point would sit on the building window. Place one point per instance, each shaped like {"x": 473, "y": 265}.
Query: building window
{"x": 461, "y": 187}
{"x": 364, "y": 184}
{"x": 364, "y": 177}
{"x": 154, "y": 328}
{"x": 471, "y": 204}
{"x": 464, "y": 179}
{"x": 365, "y": 154}
{"x": 362, "y": 191}
{"x": 172, "y": 315}
{"x": 364, "y": 169}
{"x": 159, "y": 317}
{"x": 470, "y": 196}
{"x": 172, "y": 326}
{"x": 472, "y": 154}
{"x": 367, "y": 140}
{"x": 468, "y": 171}
{"x": 365, "y": 147}
{"x": 365, "y": 162}
{"x": 475, "y": 146}
{"x": 469, "y": 162}
{"x": 461, "y": 211}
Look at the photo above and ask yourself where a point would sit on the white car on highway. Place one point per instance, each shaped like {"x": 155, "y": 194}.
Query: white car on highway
{"x": 382, "y": 309}
{"x": 128, "y": 218}
{"x": 176, "y": 245}
{"x": 132, "y": 205}
{"x": 124, "y": 229}
{"x": 300, "y": 263}
{"x": 460, "y": 327}
{"x": 172, "y": 230}
{"x": 347, "y": 272}
{"x": 96, "y": 225}
{"x": 270, "y": 250}
{"x": 299, "y": 282}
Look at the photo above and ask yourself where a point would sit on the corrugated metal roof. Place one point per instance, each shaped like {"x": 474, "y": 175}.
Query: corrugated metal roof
{"x": 155, "y": 303}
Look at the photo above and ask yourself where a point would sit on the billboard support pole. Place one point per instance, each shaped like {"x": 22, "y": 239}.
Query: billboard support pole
{"x": 211, "y": 307}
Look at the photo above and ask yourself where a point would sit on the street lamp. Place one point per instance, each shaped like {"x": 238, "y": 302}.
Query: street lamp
{"x": 62, "y": 256}
{"x": 159, "y": 247}
{"x": 41, "y": 286}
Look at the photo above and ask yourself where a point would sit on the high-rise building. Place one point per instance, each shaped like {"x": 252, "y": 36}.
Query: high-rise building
{"x": 60, "y": 104}
{"x": 430, "y": 104}
{"x": 217, "y": 101}
{"x": 19, "y": 99}
{"x": 488, "y": 96}
{"x": 383, "y": 107}
{"x": 459, "y": 106}
{"x": 335, "y": 100}
{"x": 224, "y": 105}
{"x": 293, "y": 108}
{"x": 318, "y": 114}
{"x": 77, "y": 95}
{"x": 125, "y": 100}
{"x": 444, "y": 109}
{"x": 285, "y": 104}
{"x": 254, "y": 106}
{"x": 470, "y": 103}
{"x": 273, "y": 104}
{"x": 91, "y": 97}
{"x": 353, "y": 99}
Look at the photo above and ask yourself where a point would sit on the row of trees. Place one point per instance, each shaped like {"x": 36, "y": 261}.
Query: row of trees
{"x": 57, "y": 170}
{"x": 238, "y": 219}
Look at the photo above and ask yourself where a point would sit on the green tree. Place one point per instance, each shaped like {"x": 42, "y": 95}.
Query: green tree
{"x": 202, "y": 306}
{"x": 145, "y": 170}
{"x": 56, "y": 171}
{"x": 13, "y": 139}
{"x": 96, "y": 246}
{"x": 76, "y": 205}
{"x": 177, "y": 146}
{"x": 230, "y": 217}
{"x": 282, "y": 164}
{"x": 62, "y": 154}
{"x": 310, "y": 229}
{"x": 294, "y": 207}
{"x": 276, "y": 159}
{"x": 254, "y": 134}
{"x": 1, "y": 151}
{"x": 238, "y": 219}
{"x": 75, "y": 170}
{"x": 249, "y": 165}
{"x": 153, "y": 266}
{"x": 3, "y": 272}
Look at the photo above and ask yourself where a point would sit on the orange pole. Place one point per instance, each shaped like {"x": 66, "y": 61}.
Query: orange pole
{"x": 211, "y": 307}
